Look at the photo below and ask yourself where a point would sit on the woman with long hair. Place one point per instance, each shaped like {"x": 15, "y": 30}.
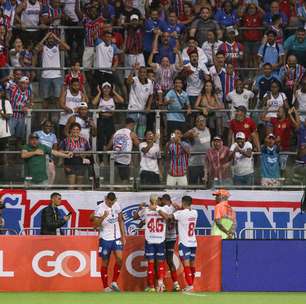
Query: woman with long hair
{"x": 208, "y": 103}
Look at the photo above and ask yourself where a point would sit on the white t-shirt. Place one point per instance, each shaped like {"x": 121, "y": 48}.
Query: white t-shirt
{"x": 4, "y": 125}
{"x": 155, "y": 229}
{"x": 149, "y": 161}
{"x": 51, "y": 59}
{"x": 195, "y": 83}
{"x": 243, "y": 165}
{"x": 209, "y": 48}
{"x": 104, "y": 55}
{"x": 139, "y": 94}
{"x": 301, "y": 98}
{"x": 122, "y": 142}
{"x": 202, "y": 57}
{"x": 69, "y": 9}
{"x": 186, "y": 222}
{"x": 171, "y": 232}
{"x": 107, "y": 105}
{"x": 240, "y": 99}
{"x": 110, "y": 229}
{"x": 274, "y": 104}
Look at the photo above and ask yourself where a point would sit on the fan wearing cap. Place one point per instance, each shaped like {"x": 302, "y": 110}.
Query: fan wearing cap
{"x": 243, "y": 168}
{"x": 88, "y": 127}
{"x": 246, "y": 125}
{"x": 155, "y": 234}
{"x": 270, "y": 162}
{"x": 217, "y": 169}
{"x": 224, "y": 216}
{"x": 70, "y": 100}
{"x": 108, "y": 218}
{"x": 106, "y": 101}
{"x": 21, "y": 100}
{"x": 5, "y": 113}
{"x": 134, "y": 40}
{"x": 34, "y": 156}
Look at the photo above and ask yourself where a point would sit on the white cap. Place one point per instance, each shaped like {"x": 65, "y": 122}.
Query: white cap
{"x": 134, "y": 16}
{"x": 240, "y": 135}
{"x": 83, "y": 105}
{"x": 24, "y": 79}
{"x": 104, "y": 84}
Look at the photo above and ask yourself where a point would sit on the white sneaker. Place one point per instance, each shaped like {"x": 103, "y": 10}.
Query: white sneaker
{"x": 160, "y": 286}
{"x": 176, "y": 286}
{"x": 114, "y": 286}
{"x": 108, "y": 289}
{"x": 188, "y": 288}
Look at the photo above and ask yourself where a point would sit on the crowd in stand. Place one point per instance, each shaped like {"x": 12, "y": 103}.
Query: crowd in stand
{"x": 209, "y": 63}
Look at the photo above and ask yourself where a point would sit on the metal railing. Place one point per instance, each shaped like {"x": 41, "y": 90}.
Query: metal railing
{"x": 75, "y": 231}
{"x": 273, "y": 233}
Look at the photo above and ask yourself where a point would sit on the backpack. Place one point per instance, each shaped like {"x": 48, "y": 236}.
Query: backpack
{"x": 265, "y": 48}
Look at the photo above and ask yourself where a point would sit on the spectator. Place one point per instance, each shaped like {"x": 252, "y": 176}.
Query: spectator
{"x": 14, "y": 53}
{"x": 128, "y": 11}
{"x": 291, "y": 75}
{"x": 48, "y": 139}
{"x": 300, "y": 99}
{"x": 34, "y": 155}
{"x": 244, "y": 124}
{"x": 251, "y": 37}
{"x": 240, "y": 96}
{"x": 208, "y": 102}
{"x": 232, "y": 49}
{"x": 187, "y": 16}
{"x": 152, "y": 28}
{"x": 192, "y": 45}
{"x": 202, "y": 24}
{"x": 178, "y": 153}
{"x": 123, "y": 141}
{"x": 51, "y": 80}
{"x": 51, "y": 217}
{"x": 301, "y": 12}
{"x": 70, "y": 99}
{"x": 88, "y": 127}
{"x": 21, "y": 100}
{"x": 296, "y": 45}
{"x": 106, "y": 58}
{"x": 5, "y": 114}
{"x": 271, "y": 52}
{"x": 27, "y": 16}
{"x": 75, "y": 73}
{"x": 140, "y": 99}
{"x": 93, "y": 25}
{"x": 243, "y": 168}
{"x": 270, "y": 162}
{"x": 165, "y": 47}
{"x": 217, "y": 164}
{"x": 76, "y": 166}
{"x": 134, "y": 44}
{"x": 196, "y": 74}
{"x": 227, "y": 16}
{"x": 151, "y": 170}
{"x": 276, "y": 26}
{"x": 106, "y": 100}
{"x": 27, "y": 59}
{"x": 199, "y": 137}
{"x": 176, "y": 100}
{"x": 274, "y": 10}
{"x": 210, "y": 47}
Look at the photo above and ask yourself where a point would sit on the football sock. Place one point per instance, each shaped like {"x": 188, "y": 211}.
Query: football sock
{"x": 188, "y": 275}
{"x": 150, "y": 274}
{"x": 174, "y": 276}
{"x": 116, "y": 273}
{"x": 192, "y": 272}
{"x": 104, "y": 277}
{"x": 161, "y": 270}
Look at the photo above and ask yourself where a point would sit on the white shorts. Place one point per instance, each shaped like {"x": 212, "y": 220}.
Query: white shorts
{"x": 130, "y": 60}
{"x": 177, "y": 180}
{"x": 88, "y": 57}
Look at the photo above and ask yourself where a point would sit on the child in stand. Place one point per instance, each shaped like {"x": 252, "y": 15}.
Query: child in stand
{"x": 75, "y": 72}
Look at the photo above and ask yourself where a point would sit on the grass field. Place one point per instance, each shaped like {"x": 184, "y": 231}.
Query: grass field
{"x": 148, "y": 298}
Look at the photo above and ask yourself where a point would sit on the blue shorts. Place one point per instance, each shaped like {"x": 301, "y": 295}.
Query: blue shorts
{"x": 106, "y": 248}
{"x": 17, "y": 127}
{"x": 155, "y": 251}
{"x": 51, "y": 87}
{"x": 169, "y": 246}
{"x": 187, "y": 253}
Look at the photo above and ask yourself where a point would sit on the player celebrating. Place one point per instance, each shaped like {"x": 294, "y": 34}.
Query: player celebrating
{"x": 155, "y": 233}
{"x": 108, "y": 217}
{"x": 171, "y": 234}
{"x": 186, "y": 221}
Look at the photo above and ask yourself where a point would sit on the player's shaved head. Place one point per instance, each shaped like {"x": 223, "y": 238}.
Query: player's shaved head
{"x": 187, "y": 200}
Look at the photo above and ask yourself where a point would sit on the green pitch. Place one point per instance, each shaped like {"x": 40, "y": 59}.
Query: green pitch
{"x": 148, "y": 298}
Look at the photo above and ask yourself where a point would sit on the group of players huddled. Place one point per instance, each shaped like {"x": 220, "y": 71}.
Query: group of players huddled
{"x": 164, "y": 221}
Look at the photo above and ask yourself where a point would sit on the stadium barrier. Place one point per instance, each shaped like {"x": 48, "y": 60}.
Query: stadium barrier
{"x": 262, "y": 265}
{"x": 254, "y": 209}
{"x": 71, "y": 263}
{"x": 272, "y": 233}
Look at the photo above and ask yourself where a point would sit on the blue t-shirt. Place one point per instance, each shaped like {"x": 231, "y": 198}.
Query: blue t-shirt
{"x": 269, "y": 162}
{"x": 169, "y": 28}
{"x": 180, "y": 100}
{"x": 272, "y": 53}
{"x": 268, "y": 18}
{"x": 150, "y": 25}
{"x": 226, "y": 19}
{"x": 166, "y": 52}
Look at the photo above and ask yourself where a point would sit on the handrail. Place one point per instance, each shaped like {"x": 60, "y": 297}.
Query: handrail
{"x": 270, "y": 230}
{"x": 13, "y": 231}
